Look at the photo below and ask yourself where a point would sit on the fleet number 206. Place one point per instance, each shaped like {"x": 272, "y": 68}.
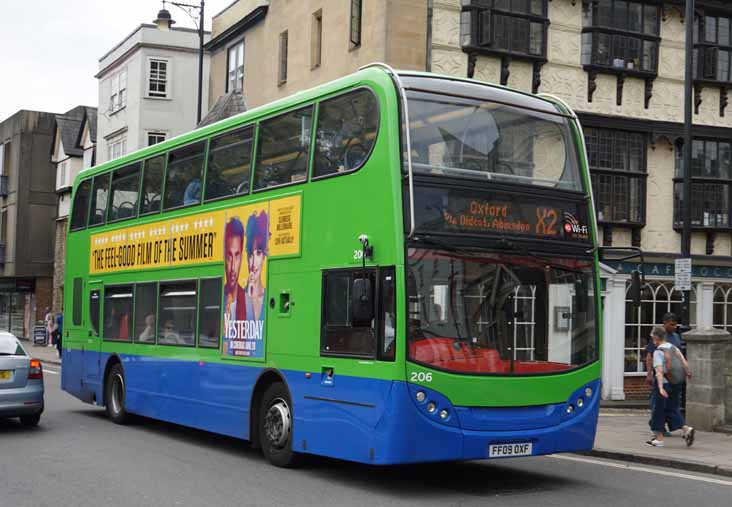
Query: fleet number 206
{"x": 420, "y": 376}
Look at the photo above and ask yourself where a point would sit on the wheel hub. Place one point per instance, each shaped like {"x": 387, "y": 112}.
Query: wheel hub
{"x": 277, "y": 423}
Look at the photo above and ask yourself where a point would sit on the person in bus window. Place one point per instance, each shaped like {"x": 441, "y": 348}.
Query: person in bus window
{"x": 192, "y": 194}
{"x": 148, "y": 334}
{"x": 169, "y": 333}
{"x": 257, "y": 250}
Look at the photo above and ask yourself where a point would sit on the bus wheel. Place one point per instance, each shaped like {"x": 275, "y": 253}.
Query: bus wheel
{"x": 114, "y": 395}
{"x": 275, "y": 426}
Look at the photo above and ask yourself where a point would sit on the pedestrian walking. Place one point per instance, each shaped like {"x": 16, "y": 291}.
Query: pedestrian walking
{"x": 50, "y": 322}
{"x": 59, "y": 332}
{"x": 670, "y": 325}
{"x": 670, "y": 368}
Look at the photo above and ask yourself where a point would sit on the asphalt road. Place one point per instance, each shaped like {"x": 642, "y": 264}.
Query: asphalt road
{"x": 78, "y": 458}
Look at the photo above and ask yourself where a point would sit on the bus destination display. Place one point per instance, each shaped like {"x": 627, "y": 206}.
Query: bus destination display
{"x": 455, "y": 211}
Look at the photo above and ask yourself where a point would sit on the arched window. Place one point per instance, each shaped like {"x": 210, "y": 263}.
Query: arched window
{"x": 722, "y": 317}
{"x": 657, "y": 298}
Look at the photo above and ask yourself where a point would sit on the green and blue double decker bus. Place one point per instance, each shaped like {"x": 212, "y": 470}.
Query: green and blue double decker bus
{"x": 393, "y": 267}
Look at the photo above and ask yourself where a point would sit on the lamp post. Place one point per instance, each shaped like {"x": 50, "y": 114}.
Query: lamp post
{"x": 688, "y": 139}
{"x": 164, "y": 17}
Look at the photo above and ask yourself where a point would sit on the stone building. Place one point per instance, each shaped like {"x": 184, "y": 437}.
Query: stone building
{"x": 148, "y": 88}
{"x": 618, "y": 63}
{"x": 27, "y": 212}
{"x": 74, "y": 145}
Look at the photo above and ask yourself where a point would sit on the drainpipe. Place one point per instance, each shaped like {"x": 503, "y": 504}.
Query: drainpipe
{"x": 428, "y": 53}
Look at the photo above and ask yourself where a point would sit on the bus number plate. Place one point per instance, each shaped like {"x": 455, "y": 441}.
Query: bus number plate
{"x": 509, "y": 450}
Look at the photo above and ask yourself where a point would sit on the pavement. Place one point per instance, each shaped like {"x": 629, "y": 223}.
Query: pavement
{"x": 47, "y": 355}
{"x": 621, "y": 435}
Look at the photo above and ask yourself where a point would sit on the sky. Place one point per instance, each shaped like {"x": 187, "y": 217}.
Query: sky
{"x": 50, "y": 49}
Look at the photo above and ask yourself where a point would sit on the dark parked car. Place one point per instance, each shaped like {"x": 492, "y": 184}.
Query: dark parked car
{"x": 21, "y": 382}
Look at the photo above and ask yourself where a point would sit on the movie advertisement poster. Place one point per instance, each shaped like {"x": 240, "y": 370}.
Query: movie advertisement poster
{"x": 242, "y": 239}
{"x": 251, "y": 235}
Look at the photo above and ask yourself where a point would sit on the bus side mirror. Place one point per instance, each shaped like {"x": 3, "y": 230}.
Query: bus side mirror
{"x": 634, "y": 293}
{"x": 362, "y": 302}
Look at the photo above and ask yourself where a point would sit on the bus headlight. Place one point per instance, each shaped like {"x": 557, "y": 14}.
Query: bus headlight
{"x": 588, "y": 392}
{"x": 420, "y": 396}
{"x": 443, "y": 414}
{"x": 431, "y": 407}
{"x": 570, "y": 409}
{"x": 580, "y": 403}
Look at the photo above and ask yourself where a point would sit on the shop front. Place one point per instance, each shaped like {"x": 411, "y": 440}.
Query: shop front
{"x": 710, "y": 304}
{"x": 17, "y": 305}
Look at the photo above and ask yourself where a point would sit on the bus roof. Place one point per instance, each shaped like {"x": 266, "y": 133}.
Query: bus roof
{"x": 373, "y": 73}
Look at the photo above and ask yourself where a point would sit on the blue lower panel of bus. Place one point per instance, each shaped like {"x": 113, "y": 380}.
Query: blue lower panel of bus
{"x": 358, "y": 419}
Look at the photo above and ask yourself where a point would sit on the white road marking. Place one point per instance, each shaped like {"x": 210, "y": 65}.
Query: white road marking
{"x": 664, "y": 472}
{"x": 51, "y": 372}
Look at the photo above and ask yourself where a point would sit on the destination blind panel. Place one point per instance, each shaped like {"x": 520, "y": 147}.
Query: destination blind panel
{"x": 464, "y": 212}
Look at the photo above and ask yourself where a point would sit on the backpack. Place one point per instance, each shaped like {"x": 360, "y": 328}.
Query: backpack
{"x": 675, "y": 372}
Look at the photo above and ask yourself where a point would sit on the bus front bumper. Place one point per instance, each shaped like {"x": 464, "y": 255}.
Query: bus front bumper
{"x": 486, "y": 433}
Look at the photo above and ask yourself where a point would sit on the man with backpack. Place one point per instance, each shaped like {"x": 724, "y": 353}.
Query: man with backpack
{"x": 671, "y": 326}
{"x": 671, "y": 369}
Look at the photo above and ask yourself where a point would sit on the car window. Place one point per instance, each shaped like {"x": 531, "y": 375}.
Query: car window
{"x": 9, "y": 346}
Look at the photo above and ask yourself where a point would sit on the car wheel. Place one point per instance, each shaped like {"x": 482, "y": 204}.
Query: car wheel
{"x": 275, "y": 426}
{"x": 114, "y": 395}
{"x": 30, "y": 421}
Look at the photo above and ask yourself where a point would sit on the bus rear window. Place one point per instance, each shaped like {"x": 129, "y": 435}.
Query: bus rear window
{"x": 81, "y": 205}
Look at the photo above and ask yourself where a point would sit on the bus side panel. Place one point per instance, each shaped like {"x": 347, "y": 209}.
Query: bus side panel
{"x": 338, "y": 419}
{"x": 210, "y": 396}
{"x": 72, "y": 373}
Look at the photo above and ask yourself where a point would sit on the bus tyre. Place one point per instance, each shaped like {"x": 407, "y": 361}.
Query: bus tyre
{"x": 275, "y": 426}
{"x": 114, "y": 395}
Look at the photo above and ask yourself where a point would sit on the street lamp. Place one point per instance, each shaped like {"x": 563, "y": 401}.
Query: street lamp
{"x": 165, "y": 18}
{"x": 688, "y": 123}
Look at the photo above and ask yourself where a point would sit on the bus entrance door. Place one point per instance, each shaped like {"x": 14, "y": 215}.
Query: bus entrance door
{"x": 92, "y": 345}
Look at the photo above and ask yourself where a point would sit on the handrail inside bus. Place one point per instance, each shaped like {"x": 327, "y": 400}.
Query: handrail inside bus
{"x": 403, "y": 95}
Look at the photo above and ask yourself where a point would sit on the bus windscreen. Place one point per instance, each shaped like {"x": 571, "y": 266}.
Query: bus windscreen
{"x": 501, "y": 314}
{"x": 477, "y": 139}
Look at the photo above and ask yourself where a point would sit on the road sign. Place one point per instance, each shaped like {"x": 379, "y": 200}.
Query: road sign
{"x": 682, "y": 274}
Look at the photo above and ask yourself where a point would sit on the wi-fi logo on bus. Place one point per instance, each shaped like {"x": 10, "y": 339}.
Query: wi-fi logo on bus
{"x": 573, "y": 226}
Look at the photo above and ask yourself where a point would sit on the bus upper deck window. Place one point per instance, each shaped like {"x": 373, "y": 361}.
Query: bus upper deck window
{"x": 183, "y": 179}
{"x": 98, "y": 209}
{"x": 81, "y": 205}
{"x": 346, "y": 132}
{"x": 125, "y": 187}
{"x": 152, "y": 185}
{"x": 284, "y": 149}
{"x": 229, "y": 164}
